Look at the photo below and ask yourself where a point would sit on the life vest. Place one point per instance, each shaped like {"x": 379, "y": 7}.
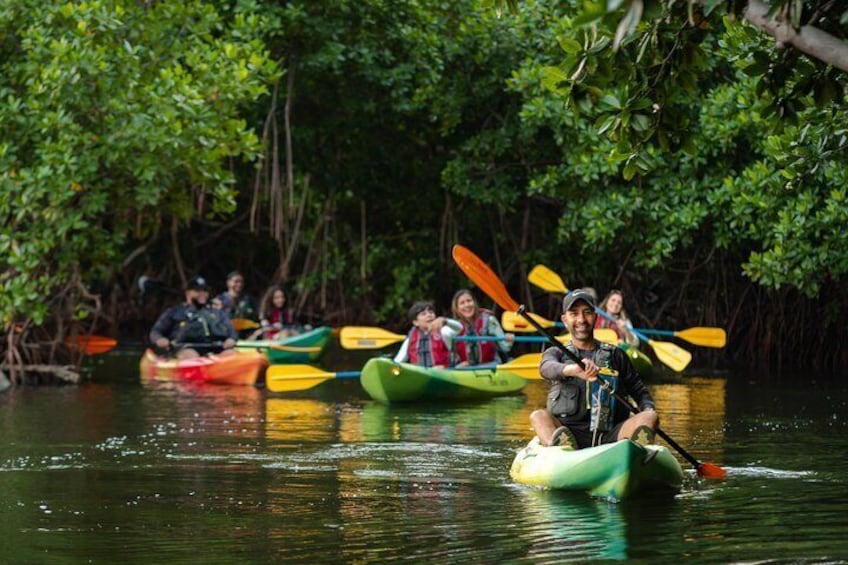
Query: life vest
{"x": 602, "y": 322}
{"x": 439, "y": 352}
{"x": 601, "y": 402}
{"x": 486, "y": 350}
{"x": 202, "y": 326}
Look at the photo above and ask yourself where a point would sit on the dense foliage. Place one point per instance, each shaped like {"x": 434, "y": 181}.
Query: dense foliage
{"x": 114, "y": 116}
{"x": 681, "y": 157}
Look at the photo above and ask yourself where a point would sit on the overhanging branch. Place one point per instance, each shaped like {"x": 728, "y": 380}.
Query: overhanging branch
{"x": 810, "y": 40}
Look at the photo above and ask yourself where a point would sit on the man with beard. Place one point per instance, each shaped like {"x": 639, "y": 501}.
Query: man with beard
{"x": 580, "y": 413}
{"x": 193, "y": 325}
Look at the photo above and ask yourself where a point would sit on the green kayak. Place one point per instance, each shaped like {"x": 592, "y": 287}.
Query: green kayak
{"x": 387, "y": 381}
{"x": 641, "y": 362}
{"x": 301, "y": 348}
{"x": 613, "y": 471}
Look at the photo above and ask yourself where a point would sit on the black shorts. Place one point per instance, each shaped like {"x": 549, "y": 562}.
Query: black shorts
{"x": 587, "y": 438}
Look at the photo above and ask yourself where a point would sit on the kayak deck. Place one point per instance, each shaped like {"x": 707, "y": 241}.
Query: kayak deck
{"x": 305, "y": 347}
{"x": 387, "y": 381}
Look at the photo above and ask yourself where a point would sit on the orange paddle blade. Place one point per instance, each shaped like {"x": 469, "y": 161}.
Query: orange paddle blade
{"x": 483, "y": 276}
{"x": 91, "y": 344}
{"x": 711, "y": 471}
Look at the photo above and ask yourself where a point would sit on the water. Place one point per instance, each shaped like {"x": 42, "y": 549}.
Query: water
{"x": 116, "y": 470}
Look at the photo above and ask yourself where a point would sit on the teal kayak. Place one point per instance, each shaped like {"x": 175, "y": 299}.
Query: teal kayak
{"x": 305, "y": 347}
{"x": 387, "y": 381}
{"x": 614, "y": 471}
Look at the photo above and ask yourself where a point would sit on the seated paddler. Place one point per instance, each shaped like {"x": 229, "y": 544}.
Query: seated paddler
{"x": 193, "y": 328}
{"x": 430, "y": 341}
{"x": 579, "y": 412}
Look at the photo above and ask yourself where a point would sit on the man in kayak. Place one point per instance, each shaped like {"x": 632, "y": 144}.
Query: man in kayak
{"x": 579, "y": 412}
{"x": 430, "y": 341}
{"x": 193, "y": 325}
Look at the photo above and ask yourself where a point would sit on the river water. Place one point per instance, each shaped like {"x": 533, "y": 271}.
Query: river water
{"x": 115, "y": 470}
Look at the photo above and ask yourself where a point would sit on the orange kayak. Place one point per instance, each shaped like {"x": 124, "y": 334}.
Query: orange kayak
{"x": 236, "y": 368}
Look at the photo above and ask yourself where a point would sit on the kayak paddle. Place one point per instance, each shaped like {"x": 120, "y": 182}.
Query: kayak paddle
{"x": 483, "y": 276}
{"x": 92, "y": 344}
{"x": 514, "y": 322}
{"x": 670, "y": 354}
{"x": 705, "y": 336}
{"x": 244, "y": 324}
{"x": 366, "y": 337}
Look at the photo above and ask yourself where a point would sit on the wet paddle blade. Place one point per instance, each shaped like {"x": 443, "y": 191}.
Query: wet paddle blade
{"x": 546, "y": 279}
{"x": 708, "y": 337}
{"x": 364, "y": 337}
{"x": 711, "y": 471}
{"x": 483, "y": 276}
{"x": 671, "y": 355}
{"x": 290, "y": 378}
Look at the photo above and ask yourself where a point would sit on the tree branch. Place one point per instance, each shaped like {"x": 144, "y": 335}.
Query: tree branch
{"x": 808, "y": 39}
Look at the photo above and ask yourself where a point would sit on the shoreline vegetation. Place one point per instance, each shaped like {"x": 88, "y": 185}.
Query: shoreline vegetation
{"x": 342, "y": 148}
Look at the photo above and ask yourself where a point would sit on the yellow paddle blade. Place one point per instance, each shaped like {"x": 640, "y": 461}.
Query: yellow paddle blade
{"x": 607, "y": 335}
{"x": 244, "y": 324}
{"x": 708, "y": 337}
{"x": 515, "y": 322}
{"x": 526, "y": 366}
{"x": 364, "y": 337}
{"x": 671, "y": 355}
{"x": 546, "y": 279}
{"x": 289, "y": 378}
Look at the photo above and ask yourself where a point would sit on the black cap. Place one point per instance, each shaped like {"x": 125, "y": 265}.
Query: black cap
{"x": 574, "y": 296}
{"x": 197, "y": 283}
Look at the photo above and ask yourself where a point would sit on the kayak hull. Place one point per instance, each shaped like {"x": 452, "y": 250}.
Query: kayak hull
{"x": 237, "y": 368}
{"x": 612, "y": 471}
{"x": 390, "y": 382}
{"x": 305, "y": 347}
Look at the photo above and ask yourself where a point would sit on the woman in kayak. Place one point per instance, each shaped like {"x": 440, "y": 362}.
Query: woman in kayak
{"x": 276, "y": 318}
{"x": 613, "y": 304}
{"x": 579, "y": 412}
{"x": 430, "y": 340}
{"x": 478, "y": 322}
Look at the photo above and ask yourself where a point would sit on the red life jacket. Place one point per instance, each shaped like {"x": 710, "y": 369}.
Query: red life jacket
{"x": 439, "y": 351}
{"x": 487, "y": 349}
{"x": 602, "y": 322}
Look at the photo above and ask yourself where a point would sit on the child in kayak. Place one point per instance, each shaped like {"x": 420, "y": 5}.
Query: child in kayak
{"x": 430, "y": 341}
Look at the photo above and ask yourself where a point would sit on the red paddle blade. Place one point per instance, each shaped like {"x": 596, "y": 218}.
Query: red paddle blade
{"x": 483, "y": 276}
{"x": 711, "y": 471}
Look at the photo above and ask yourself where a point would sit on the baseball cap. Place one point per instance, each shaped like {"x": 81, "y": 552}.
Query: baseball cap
{"x": 576, "y": 295}
{"x": 197, "y": 283}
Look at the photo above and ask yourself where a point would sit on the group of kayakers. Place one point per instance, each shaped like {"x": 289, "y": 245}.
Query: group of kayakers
{"x": 580, "y": 412}
{"x": 199, "y": 325}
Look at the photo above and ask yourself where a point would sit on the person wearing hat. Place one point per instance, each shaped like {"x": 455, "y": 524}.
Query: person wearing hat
{"x": 579, "y": 412}
{"x": 193, "y": 325}
{"x": 236, "y": 302}
{"x": 430, "y": 341}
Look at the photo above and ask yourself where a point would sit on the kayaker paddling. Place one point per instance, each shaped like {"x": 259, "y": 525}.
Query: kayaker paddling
{"x": 194, "y": 322}
{"x": 579, "y": 411}
{"x": 430, "y": 340}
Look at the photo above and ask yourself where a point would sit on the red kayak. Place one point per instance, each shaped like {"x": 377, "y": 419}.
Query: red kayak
{"x": 232, "y": 368}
